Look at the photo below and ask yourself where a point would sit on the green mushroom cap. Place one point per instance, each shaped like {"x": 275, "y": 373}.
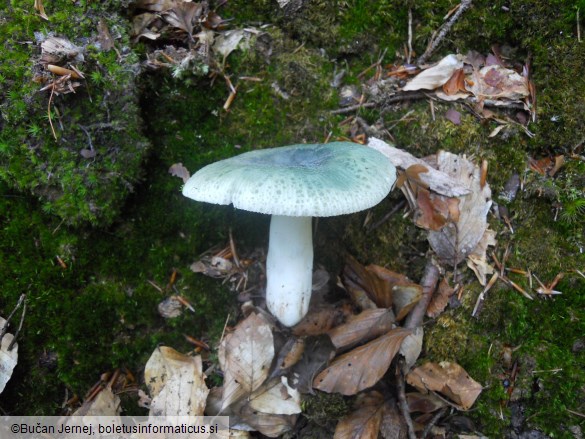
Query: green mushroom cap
{"x": 297, "y": 180}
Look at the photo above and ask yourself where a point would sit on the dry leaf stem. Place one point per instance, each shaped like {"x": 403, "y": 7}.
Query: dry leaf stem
{"x": 432, "y": 422}
{"x": 403, "y": 404}
{"x": 429, "y": 283}
{"x": 21, "y": 300}
{"x": 440, "y": 34}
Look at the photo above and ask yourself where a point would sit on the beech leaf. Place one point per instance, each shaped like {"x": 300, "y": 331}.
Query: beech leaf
{"x": 176, "y": 383}
{"x": 317, "y": 353}
{"x": 440, "y": 299}
{"x": 276, "y": 398}
{"x": 434, "y": 179}
{"x": 497, "y": 82}
{"x": 184, "y": 16}
{"x": 364, "y": 422}
{"x": 245, "y": 356}
{"x": 457, "y": 239}
{"x": 361, "y": 367}
{"x": 363, "y": 327}
{"x": 449, "y": 379}
{"x": 435, "y": 76}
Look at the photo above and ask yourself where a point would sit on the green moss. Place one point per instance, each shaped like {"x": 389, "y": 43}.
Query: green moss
{"x": 77, "y": 189}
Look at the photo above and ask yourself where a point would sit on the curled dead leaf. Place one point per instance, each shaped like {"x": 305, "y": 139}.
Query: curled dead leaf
{"x": 405, "y": 298}
{"x": 448, "y": 379}
{"x": 363, "y": 327}
{"x": 361, "y": 367}
{"x": 440, "y": 299}
{"x": 435, "y": 76}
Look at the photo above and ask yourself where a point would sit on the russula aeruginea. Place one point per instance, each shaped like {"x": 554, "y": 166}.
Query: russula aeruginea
{"x": 294, "y": 183}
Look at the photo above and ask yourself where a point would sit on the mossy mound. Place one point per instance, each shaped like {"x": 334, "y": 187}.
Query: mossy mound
{"x": 86, "y": 165}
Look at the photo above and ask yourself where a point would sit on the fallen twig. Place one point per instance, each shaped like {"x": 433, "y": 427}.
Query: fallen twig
{"x": 386, "y": 217}
{"x": 11, "y": 345}
{"x": 5, "y": 328}
{"x": 403, "y": 404}
{"x": 352, "y": 108}
{"x": 442, "y": 32}
{"x": 433, "y": 422}
{"x": 429, "y": 283}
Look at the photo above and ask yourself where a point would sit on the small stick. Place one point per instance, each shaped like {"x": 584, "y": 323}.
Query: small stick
{"x": 442, "y": 32}
{"x": 481, "y": 297}
{"x": 402, "y": 398}
{"x": 49, "y": 113}
{"x": 410, "y": 34}
{"x": 11, "y": 345}
{"x": 578, "y": 27}
{"x": 155, "y": 286}
{"x": 354, "y": 108}
{"x": 386, "y": 217}
{"x": 5, "y": 328}
{"x": 233, "y": 250}
{"x": 433, "y": 422}
{"x": 576, "y": 413}
{"x": 429, "y": 283}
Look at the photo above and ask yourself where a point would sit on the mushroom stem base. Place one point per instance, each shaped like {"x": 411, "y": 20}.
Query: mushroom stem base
{"x": 289, "y": 268}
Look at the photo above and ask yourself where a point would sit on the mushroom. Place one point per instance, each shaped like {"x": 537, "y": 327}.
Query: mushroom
{"x": 293, "y": 184}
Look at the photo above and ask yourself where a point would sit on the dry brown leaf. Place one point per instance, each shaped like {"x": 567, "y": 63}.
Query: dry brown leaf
{"x": 387, "y": 280}
{"x": 156, "y": 5}
{"x": 141, "y": 24}
{"x": 276, "y": 398}
{"x": 455, "y": 84}
{"x": 434, "y": 211}
{"x": 228, "y": 41}
{"x": 8, "y": 359}
{"x": 267, "y": 424}
{"x": 104, "y": 404}
{"x": 363, "y": 327}
{"x": 245, "y": 356}
{"x": 40, "y": 9}
{"x": 449, "y": 379}
{"x": 393, "y": 423}
{"x": 424, "y": 402}
{"x": 318, "y": 352}
{"x": 440, "y": 299}
{"x": 480, "y": 266}
{"x": 428, "y": 215}
{"x": 411, "y": 348}
{"x": 435, "y": 76}
{"x": 321, "y": 319}
{"x": 184, "y": 16}
{"x": 57, "y": 50}
{"x": 178, "y": 170}
{"x": 497, "y": 82}
{"x": 357, "y": 276}
{"x": 289, "y": 355}
{"x": 434, "y": 179}
{"x": 413, "y": 174}
{"x": 104, "y": 37}
{"x": 405, "y": 298}
{"x": 456, "y": 240}
{"x": 364, "y": 422}
{"x": 176, "y": 383}
{"x": 361, "y": 367}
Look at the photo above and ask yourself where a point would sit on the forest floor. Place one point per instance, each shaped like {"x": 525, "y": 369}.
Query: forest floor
{"x": 95, "y": 231}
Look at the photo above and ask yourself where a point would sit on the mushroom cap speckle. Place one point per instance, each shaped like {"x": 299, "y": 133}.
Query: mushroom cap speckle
{"x": 298, "y": 180}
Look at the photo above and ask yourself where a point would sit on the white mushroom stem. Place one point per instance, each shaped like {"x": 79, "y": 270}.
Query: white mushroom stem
{"x": 289, "y": 268}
